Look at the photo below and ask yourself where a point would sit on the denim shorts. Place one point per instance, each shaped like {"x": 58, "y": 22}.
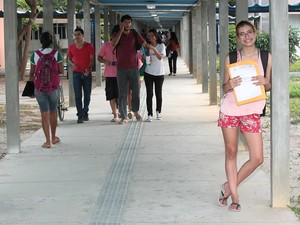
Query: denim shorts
{"x": 47, "y": 100}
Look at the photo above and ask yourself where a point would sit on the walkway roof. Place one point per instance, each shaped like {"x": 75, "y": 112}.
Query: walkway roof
{"x": 156, "y": 13}
{"x": 153, "y": 13}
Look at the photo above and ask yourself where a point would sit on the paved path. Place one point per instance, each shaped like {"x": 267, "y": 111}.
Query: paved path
{"x": 164, "y": 172}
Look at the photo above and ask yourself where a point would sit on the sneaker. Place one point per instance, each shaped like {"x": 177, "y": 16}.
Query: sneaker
{"x": 158, "y": 116}
{"x": 86, "y": 117}
{"x": 149, "y": 119}
{"x": 80, "y": 120}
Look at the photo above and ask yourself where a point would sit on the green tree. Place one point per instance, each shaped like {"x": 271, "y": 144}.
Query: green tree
{"x": 25, "y": 33}
{"x": 232, "y": 37}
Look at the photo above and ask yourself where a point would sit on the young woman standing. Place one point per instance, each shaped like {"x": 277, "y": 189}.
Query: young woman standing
{"x": 245, "y": 118}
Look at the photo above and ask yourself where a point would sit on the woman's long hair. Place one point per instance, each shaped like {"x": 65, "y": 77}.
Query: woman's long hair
{"x": 157, "y": 36}
{"x": 174, "y": 38}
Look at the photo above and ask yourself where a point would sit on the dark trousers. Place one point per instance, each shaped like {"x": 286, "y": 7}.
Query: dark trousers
{"x": 82, "y": 82}
{"x": 158, "y": 82}
{"x": 173, "y": 62}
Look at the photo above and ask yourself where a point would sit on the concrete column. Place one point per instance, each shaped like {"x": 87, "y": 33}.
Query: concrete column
{"x": 98, "y": 45}
{"x": 11, "y": 78}
{"x": 110, "y": 19}
{"x": 241, "y": 10}
{"x": 106, "y": 31}
{"x": 71, "y": 28}
{"x": 241, "y": 13}
{"x": 48, "y": 16}
{"x": 194, "y": 41}
{"x": 224, "y": 41}
{"x": 113, "y": 20}
{"x": 199, "y": 45}
{"x": 212, "y": 52}
{"x": 87, "y": 20}
{"x": 190, "y": 48}
{"x": 118, "y": 18}
{"x": 204, "y": 46}
{"x": 280, "y": 116}
{"x": 185, "y": 40}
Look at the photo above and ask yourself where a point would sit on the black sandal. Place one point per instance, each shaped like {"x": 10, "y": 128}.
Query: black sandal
{"x": 236, "y": 209}
{"x": 222, "y": 199}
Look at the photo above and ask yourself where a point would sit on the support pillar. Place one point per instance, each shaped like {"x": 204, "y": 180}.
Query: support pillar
{"x": 71, "y": 28}
{"x": 204, "y": 46}
{"x": 98, "y": 45}
{"x": 212, "y": 53}
{"x": 48, "y": 16}
{"x": 190, "y": 49}
{"x": 199, "y": 45}
{"x": 106, "y": 32}
{"x": 280, "y": 105}
{"x": 224, "y": 39}
{"x": 87, "y": 20}
{"x": 11, "y": 78}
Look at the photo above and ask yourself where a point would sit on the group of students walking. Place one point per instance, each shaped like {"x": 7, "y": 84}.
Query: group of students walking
{"x": 129, "y": 59}
{"x": 124, "y": 56}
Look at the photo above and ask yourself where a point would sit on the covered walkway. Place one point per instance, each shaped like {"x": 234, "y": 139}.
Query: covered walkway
{"x": 165, "y": 172}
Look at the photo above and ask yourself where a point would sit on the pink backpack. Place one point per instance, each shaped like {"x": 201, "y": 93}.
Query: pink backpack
{"x": 46, "y": 72}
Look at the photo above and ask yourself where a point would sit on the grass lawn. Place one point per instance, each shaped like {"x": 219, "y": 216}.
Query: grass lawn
{"x": 295, "y": 67}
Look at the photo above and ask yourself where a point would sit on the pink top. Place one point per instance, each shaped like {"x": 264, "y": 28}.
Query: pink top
{"x": 228, "y": 102}
{"x": 106, "y": 51}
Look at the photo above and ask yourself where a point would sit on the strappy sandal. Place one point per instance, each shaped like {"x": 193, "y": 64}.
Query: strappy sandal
{"x": 138, "y": 117}
{"x": 223, "y": 199}
{"x": 123, "y": 121}
{"x": 129, "y": 115}
{"x": 237, "y": 207}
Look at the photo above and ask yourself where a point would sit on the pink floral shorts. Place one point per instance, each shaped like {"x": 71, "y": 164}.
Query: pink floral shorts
{"x": 247, "y": 123}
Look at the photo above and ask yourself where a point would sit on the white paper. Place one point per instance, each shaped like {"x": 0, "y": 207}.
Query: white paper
{"x": 246, "y": 90}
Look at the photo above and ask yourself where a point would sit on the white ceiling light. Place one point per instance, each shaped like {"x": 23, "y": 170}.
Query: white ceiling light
{"x": 153, "y": 13}
{"x": 151, "y": 6}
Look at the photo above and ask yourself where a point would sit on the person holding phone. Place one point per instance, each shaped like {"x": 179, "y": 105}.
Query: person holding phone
{"x": 127, "y": 41}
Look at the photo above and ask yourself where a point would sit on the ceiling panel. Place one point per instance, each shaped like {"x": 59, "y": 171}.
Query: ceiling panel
{"x": 165, "y": 13}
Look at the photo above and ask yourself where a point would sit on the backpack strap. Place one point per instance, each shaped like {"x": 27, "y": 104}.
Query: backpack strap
{"x": 39, "y": 53}
{"x": 264, "y": 56}
{"x": 53, "y": 52}
{"x": 232, "y": 57}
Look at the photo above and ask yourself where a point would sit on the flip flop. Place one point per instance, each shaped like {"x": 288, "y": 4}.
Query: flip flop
{"x": 46, "y": 145}
{"x": 237, "y": 207}
{"x": 56, "y": 140}
{"x": 223, "y": 199}
{"x": 123, "y": 121}
{"x": 114, "y": 120}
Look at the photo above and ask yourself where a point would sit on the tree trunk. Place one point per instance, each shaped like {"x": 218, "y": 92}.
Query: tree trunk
{"x": 27, "y": 31}
{"x": 24, "y": 59}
